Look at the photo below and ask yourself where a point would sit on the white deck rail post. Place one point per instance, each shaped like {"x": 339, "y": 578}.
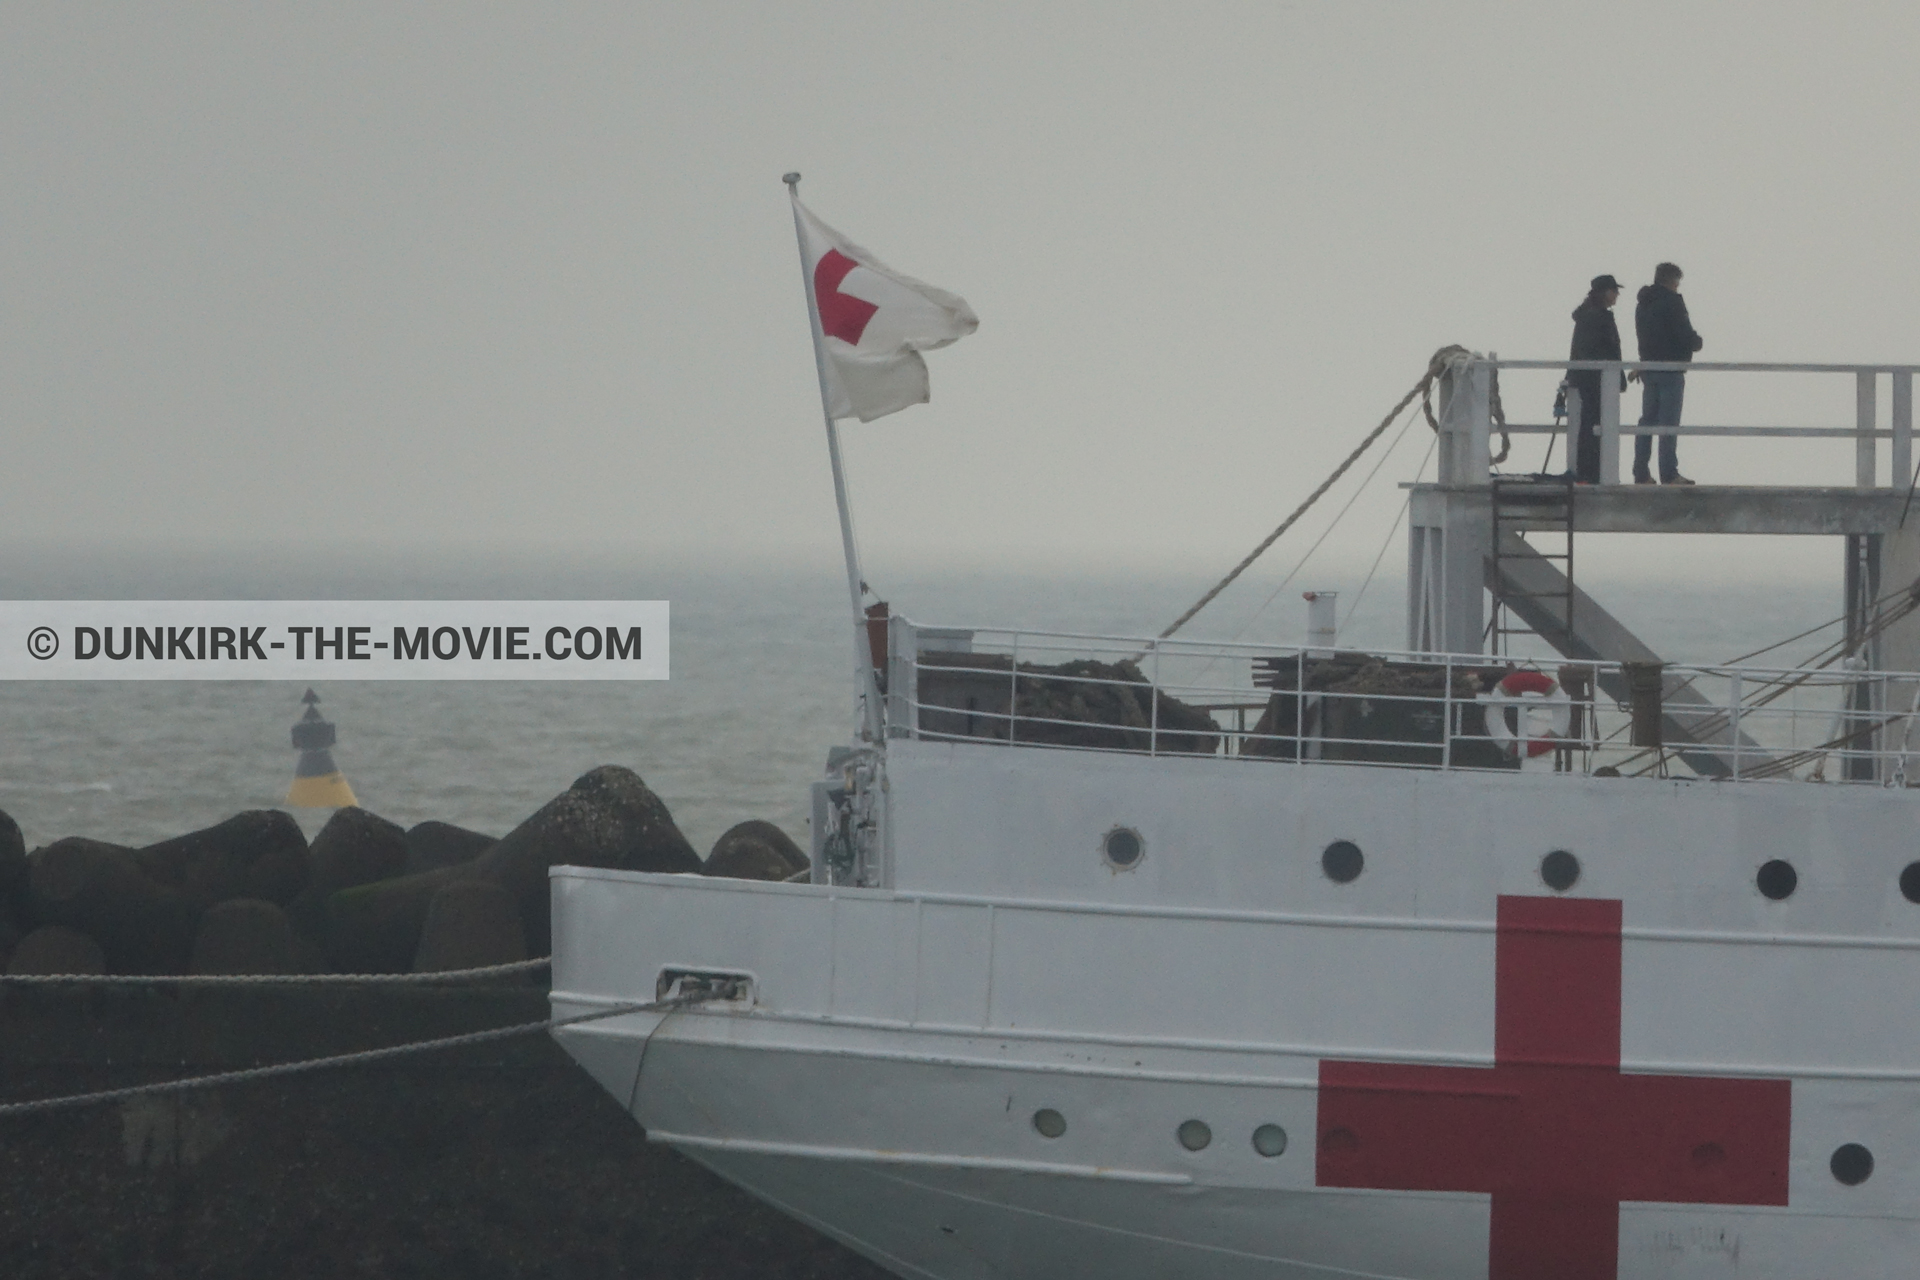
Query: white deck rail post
{"x": 903, "y": 678}
{"x": 1610, "y": 424}
{"x": 1013, "y": 686}
{"x": 1466, "y": 422}
{"x": 1574, "y": 409}
{"x": 1447, "y": 463}
{"x": 1573, "y": 431}
{"x": 1153, "y": 704}
{"x": 1902, "y": 429}
{"x": 1479, "y": 424}
{"x": 1865, "y": 384}
{"x": 1735, "y": 694}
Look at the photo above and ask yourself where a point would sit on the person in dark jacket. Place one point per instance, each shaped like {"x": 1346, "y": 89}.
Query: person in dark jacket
{"x": 1595, "y": 337}
{"x": 1666, "y": 333}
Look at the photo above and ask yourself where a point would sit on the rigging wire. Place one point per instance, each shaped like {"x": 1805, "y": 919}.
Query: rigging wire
{"x": 1388, "y": 540}
{"x": 1441, "y": 361}
{"x": 1907, "y": 506}
{"x": 1875, "y": 625}
{"x": 1332, "y": 525}
{"x": 1801, "y": 636}
{"x": 1779, "y": 687}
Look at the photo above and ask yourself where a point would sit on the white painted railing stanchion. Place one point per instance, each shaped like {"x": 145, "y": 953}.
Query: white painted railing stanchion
{"x": 1733, "y": 719}
{"x": 1153, "y": 707}
{"x": 1479, "y": 421}
{"x": 1013, "y": 687}
{"x": 1299, "y": 706}
{"x": 1573, "y": 429}
{"x": 1865, "y": 385}
{"x": 1610, "y": 425}
{"x": 1902, "y": 429}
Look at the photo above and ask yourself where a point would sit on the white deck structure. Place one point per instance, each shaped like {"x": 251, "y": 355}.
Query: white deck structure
{"x": 1297, "y": 973}
{"x": 1449, "y": 545}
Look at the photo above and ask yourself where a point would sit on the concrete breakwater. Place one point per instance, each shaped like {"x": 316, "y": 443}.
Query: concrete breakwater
{"x": 250, "y": 895}
{"x": 501, "y": 1159}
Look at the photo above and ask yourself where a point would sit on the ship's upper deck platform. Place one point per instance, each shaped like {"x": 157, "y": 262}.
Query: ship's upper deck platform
{"x": 1606, "y": 705}
{"x": 1468, "y": 530}
{"x": 1759, "y": 509}
{"x": 1472, "y": 414}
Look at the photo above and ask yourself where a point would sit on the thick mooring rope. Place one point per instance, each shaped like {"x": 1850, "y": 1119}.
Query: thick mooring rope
{"x": 1422, "y": 391}
{"x": 275, "y": 979}
{"x": 350, "y": 1059}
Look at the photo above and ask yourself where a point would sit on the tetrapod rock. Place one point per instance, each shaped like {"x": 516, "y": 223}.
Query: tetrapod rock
{"x": 432, "y": 845}
{"x": 608, "y": 818}
{"x": 143, "y": 926}
{"x": 245, "y": 936}
{"x": 470, "y": 923}
{"x": 54, "y": 948}
{"x": 354, "y": 848}
{"x": 14, "y": 900}
{"x": 755, "y": 850}
{"x": 260, "y": 853}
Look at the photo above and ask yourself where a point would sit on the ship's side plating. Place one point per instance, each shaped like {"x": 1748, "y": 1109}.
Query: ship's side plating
{"x": 1028, "y": 1057}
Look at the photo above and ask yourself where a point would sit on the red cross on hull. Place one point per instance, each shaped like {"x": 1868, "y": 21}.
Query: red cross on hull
{"x": 1553, "y": 1131}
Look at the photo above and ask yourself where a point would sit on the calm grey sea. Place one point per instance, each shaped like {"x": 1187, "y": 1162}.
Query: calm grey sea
{"x": 759, "y": 690}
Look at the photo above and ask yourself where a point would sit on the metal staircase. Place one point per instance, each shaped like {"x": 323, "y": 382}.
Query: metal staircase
{"x": 1541, "y": 505}
{"x": 1699, "y": 732}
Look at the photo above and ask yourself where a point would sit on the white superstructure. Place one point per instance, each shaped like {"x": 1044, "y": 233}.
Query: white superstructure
{"x": 1229, "y": 961}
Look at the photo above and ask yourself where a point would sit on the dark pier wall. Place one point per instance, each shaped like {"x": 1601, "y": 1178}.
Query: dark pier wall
{"x": 500, "y": 1160}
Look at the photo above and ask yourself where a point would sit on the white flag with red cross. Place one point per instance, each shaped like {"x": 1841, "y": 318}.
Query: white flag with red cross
{"x": 874, "y": 323}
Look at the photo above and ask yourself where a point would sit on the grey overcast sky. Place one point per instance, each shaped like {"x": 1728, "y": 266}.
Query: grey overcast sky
{"x": 448, "y": 275}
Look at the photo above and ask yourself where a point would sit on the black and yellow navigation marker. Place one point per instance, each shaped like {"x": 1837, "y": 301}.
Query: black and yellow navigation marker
{"x": 317, "y": 783}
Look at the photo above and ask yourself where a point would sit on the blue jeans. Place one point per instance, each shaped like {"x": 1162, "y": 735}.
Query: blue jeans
{"x": 1660, "y": 397}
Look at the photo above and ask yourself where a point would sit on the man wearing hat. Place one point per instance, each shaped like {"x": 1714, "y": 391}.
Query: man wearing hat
{"x": 1666, "y": 333}
{"x": 1595, "y": 337}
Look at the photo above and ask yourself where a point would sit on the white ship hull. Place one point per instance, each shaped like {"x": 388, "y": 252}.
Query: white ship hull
{"x": 1648, "y": 1075}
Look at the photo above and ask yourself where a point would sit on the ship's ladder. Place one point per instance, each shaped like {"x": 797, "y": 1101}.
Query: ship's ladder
{"x": 1526, "y": 503}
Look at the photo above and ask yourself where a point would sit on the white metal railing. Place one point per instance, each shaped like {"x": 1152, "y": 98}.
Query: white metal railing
{"x": 1466, "y": 417}
{"x": 1076, "y": 691}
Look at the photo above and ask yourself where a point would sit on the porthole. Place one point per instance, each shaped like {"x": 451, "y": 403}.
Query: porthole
{"x": 1343, "y": 861}
{"x": 1123, "y": 848}
{"x": 1852, "y": 1164}
{"x": 1777, "y": 879}
{"x": 1560, "y": 870}
{"x": 1270, "y": 1140}
{"x": 1049, "y": 1123}
{"x": 1194, "y": 1135}
{"x": 1910, "y": 882}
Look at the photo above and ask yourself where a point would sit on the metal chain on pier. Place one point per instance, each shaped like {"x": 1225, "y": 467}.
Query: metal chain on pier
{"x": 276, "y": 979}
{"x": 353, "y": 1059}
{"x": 1422, "y": 391}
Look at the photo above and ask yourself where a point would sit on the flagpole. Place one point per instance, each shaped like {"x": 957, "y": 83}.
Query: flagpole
{"x": 869, "y": 689}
